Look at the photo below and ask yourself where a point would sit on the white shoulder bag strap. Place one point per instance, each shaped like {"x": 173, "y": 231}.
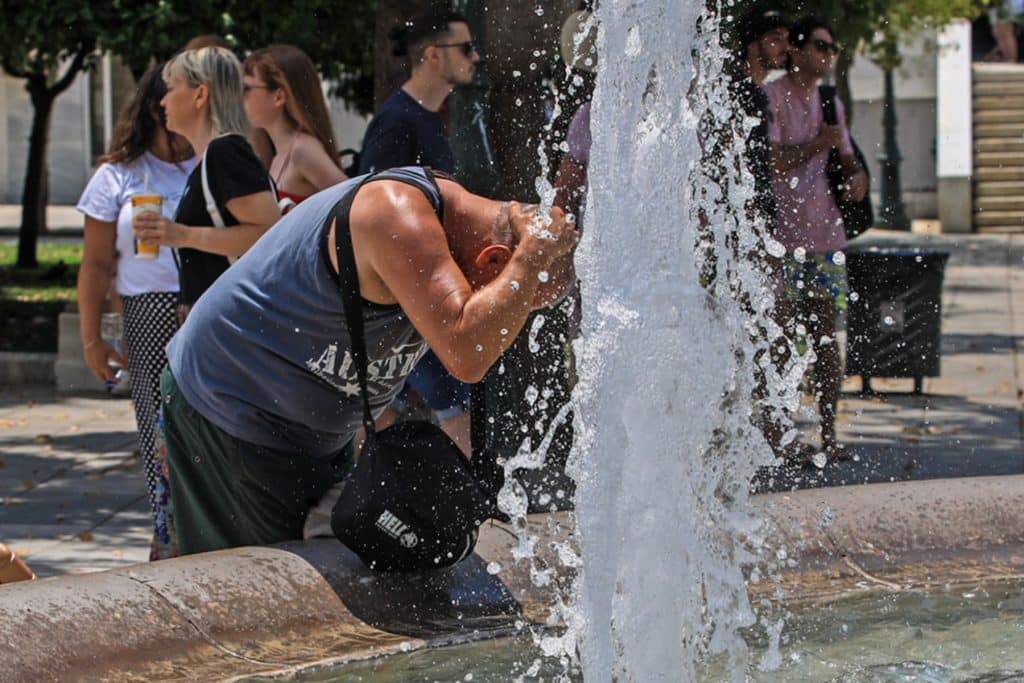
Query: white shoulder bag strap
{"x": 211, "y": 203}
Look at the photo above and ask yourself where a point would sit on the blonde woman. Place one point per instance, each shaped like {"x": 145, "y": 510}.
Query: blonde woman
{"x": 283, "y": 96}
{"x": 219, "y": 222}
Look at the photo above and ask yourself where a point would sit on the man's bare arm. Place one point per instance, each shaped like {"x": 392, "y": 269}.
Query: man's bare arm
{"x": 408, "y": 254}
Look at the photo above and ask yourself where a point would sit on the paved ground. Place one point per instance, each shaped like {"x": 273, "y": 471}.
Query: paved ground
{"x": 71, "y": 491}
{"x": 61, "y": 220}
{"x": 969, "y": 421}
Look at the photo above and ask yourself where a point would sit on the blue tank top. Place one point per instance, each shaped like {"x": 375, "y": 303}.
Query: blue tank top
{"x": 265, "y": 352}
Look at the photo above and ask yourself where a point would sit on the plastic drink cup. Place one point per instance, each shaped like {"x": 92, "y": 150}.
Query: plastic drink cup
{"x": 141, "y": 203}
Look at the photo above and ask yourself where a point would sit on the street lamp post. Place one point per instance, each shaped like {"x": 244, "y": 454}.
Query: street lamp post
{"x": 892, "y": 213}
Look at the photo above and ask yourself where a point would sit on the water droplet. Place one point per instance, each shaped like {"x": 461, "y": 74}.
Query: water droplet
{"x": 479, "y": 348}
{"x": 839, "y": 258}
{"x": 793, "y": 182}
{"x": 514, "y": 285}
{"x": 820, "y": 460}
{"x": 542, "y": 276}
{"x": 493, "y": 568}
{"x": 800, "y": 254}
{"x": 854, "y": 296}
{"x": 503, "y": 331}
{"x": 533, "y": 66}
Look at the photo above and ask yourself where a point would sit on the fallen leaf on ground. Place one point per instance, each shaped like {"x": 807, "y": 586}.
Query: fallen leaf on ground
{"x": 73, "y": 428}
{"x": 28, "y": 485}
{"x": 85, "y": 536}
{"x": 117, "y": 553}
{"x": 913, "y": 439}
{"x": 6, "y": 424}
{"x": 910, "y": 429}
{"x": 1005, "y": 386}
{"x": 932, "y": 429}
{"x": 42, "y": 438}
{"x": 980, "y": 368}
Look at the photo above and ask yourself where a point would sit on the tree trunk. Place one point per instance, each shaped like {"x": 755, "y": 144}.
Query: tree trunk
{"x": 33, "y": 195}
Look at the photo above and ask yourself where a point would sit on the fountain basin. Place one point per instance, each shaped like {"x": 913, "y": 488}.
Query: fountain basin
{"x": 262, "y": 610}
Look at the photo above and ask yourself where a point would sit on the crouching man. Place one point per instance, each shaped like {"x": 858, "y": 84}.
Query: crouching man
{"x": 261, "y": 395}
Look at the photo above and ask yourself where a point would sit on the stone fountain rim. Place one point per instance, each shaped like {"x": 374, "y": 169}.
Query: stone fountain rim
{"x": 263, "y": 611}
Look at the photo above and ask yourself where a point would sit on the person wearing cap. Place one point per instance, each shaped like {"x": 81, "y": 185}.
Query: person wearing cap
{"x": 760, "y": 47}
{"x": 261, "y": 396}
{"x": 408, "y": 130}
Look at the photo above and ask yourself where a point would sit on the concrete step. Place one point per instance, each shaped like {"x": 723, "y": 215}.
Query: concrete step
{"x": 984, "y": 174}
{"x": 997, "y": 203}
{"x": 999, "y": 89}
{"x": 997, "y": 102}
{"x": 999, "y": 229}
{"x": 1006, "y": 145}
{"x": 1001, "y": 158}
{"x": 1000, "y": 116}
{"x": 995, "y": 71}
{"x": 999, "y": 219}
{"x": 999, "y": 130}
{"x": 999, "y": 188}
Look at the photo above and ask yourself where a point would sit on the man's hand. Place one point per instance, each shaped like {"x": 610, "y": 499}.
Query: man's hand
{"x": 543, "y": 239}
{"x": 153, "y": 229}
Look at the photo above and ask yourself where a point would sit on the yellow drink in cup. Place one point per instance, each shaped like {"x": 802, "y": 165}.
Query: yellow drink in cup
{"x": 141, "y": 203}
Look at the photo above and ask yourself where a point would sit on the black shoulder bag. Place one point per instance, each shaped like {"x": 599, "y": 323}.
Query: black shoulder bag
{"x": 413, "y": 502}
{"x": 857, "y": 216}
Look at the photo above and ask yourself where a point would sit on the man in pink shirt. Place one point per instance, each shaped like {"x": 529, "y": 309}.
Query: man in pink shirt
{"x": 809, "y": 225}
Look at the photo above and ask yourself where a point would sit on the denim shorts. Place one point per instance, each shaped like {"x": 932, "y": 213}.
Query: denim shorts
{"x": 818, "y": 275}
{"x": 446, "y": 396}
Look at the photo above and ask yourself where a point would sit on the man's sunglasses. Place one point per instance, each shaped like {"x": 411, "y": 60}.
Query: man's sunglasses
{"x": 468, "y": 47}
{"x": 825, "y": 46}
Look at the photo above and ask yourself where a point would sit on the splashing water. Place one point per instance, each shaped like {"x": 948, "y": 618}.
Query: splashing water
{"x": 665, "y": 447}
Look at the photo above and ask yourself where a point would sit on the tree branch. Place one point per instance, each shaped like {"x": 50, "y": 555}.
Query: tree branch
{"x": 69, "y": 76}
{"x": 12, "y": 70}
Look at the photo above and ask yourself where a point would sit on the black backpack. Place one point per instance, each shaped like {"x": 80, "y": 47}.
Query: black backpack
{"x": 857, "y": 216}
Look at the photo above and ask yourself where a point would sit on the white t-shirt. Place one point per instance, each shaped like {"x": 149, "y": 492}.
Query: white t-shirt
{"x": 107, "y": 198}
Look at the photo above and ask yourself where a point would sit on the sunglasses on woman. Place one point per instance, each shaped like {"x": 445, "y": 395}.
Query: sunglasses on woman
{"x": 468, "y": 47}
{"x": 825, "y": 46}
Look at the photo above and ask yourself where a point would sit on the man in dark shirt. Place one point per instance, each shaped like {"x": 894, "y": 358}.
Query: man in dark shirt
{"x": 407, "y": 131}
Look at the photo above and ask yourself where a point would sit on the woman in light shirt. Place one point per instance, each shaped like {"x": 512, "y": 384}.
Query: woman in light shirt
{"x": 144, "y": 157}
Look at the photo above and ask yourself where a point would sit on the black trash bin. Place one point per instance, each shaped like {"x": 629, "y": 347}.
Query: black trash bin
{"x": 894, "y": 317}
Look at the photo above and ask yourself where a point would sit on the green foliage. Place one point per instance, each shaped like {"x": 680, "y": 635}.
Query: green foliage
{"x": 336, "y": 34}
{"x": 875, "y": 27}
{"x": 41, "y": 34}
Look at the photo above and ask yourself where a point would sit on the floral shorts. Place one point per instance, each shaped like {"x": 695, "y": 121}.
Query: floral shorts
{"x": 817, "y": 275}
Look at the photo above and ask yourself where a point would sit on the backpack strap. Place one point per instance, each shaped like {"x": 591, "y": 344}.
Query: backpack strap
{"x": 211, "y": 203}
